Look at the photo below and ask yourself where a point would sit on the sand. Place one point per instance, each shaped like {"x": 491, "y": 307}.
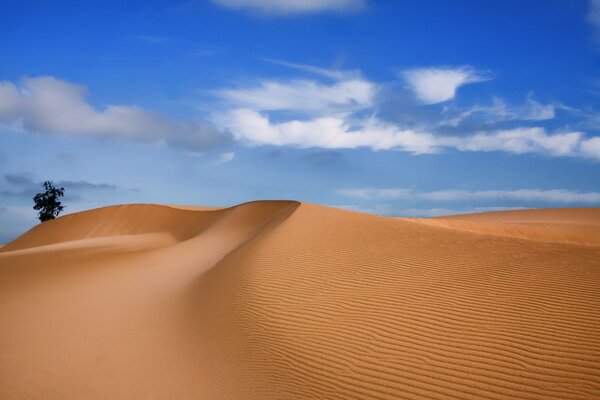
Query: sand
{"x": 573, "y": 226}
{"x": 288, "y": 300}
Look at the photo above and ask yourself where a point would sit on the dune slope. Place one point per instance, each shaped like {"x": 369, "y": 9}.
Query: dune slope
{"x": 281, "y": 300}
{"x": 576, "y": 225}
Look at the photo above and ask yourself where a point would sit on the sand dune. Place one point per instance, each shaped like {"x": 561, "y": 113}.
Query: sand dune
{"x": 575, "y": 225}
{"x": 282, "y": 300}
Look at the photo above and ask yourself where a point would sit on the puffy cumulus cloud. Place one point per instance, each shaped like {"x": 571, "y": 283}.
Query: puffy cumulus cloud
{"x": 53, "y": 106}
{"x": 304, "y": 96}
{"x": 334, "y": 132}
{"x": 436, "y": 85}
{"x": 527, "y": 195}
{"x": 292, "y": 6}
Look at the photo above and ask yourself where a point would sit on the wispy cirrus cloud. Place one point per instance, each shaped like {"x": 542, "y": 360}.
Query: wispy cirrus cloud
{"x": 558, "y": 196}
{"x": 337, "y": 74}
{"x": 439, "y": 84}
{"x": 304, "y": 96}
{"x": 49, "y": 105}
{"x": 287, "y": 7}
{"x": 500, "y": 111}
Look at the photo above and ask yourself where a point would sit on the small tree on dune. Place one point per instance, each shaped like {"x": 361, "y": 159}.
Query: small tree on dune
{"x": 47, "y": 203}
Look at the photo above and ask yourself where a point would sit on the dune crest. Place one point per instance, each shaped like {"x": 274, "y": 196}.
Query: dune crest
{"x": 282, "y": 300}
{"x": 179, "y": 223}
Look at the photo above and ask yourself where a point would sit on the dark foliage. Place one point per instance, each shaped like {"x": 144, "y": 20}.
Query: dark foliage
{"x": 47, "y": 203}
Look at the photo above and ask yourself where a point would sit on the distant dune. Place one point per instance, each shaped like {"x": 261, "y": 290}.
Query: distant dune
{"x": 288, "y": 300}
{"x": 555, "y": 225}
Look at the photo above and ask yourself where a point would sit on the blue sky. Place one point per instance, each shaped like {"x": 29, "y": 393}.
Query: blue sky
{"x": 392, "y": 107}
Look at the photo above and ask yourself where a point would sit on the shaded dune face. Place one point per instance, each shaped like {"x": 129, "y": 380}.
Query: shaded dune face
{"x": 282, "y": 300}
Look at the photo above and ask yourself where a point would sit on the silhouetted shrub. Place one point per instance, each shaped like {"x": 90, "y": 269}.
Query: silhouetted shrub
{"x": 47, "y": 203}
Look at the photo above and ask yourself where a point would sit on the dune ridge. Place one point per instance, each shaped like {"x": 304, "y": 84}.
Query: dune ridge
{"x": 287, "y": 300}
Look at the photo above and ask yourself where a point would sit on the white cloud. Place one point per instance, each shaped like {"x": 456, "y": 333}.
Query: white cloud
{"x": 52, "y": 106}
{"x": 499, "y": 111}
{"x": 528, "y": 195}
{"x": 292, "y": 6}
{"x": 303, "y": 96}
{"x": 534, "y": 111}
{"x": 344, "y": 133}
{"x": 306, "y": 113}
{"x": 591, "y": 148}
{"x": 519, "y": 140}
{"x": 300, "y": 113}
{"x": 324, "y": 72}
{"x": 436, "y": 85}
{"x": 225, "y": 158}
{"x": 325, "y": 132}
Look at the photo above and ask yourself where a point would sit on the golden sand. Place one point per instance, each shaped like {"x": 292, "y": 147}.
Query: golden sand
{"x": 288, "y": 300}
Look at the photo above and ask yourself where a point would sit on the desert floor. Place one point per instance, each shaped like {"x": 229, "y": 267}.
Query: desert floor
{"x": 288, "y": 300}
